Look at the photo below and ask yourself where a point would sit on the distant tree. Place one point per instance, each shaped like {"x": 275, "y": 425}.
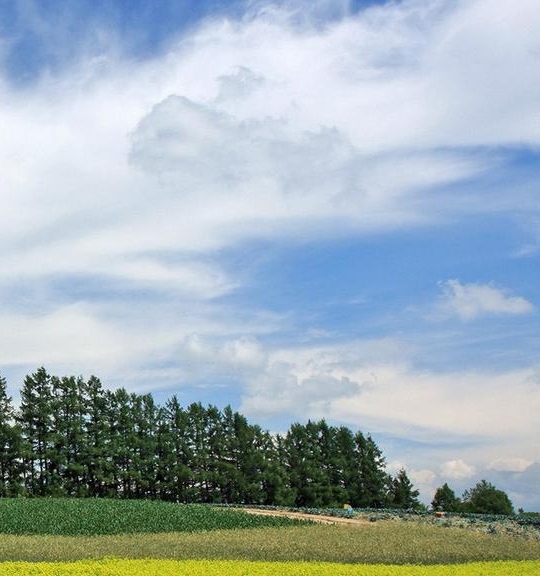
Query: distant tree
{"x": 401, "y": 493}
{"x": 445, "y": 499}
{"x": 10, "y": 446}
{"x": 484, "y": 498}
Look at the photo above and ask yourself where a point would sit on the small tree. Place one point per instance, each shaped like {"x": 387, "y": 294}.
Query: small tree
{"x": 445, "y": 499}
{"x": 484, "y": 498}
{"x": 401, "y": 493}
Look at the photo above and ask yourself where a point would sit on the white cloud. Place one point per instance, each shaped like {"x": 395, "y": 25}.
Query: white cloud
{"x": 372, "y": 385}
{"x": 425, "y": 481}
{"x": 510, "y": 464}
{"x": 457, "y": 470}
{"x": 70, "y": 334}
{"x": 135, "y": 177}
{"x": 468, "y": 301}
{"x": 423, "y": 477}
{"x": 230, "y": 136}
{"x": 251, "y": 110}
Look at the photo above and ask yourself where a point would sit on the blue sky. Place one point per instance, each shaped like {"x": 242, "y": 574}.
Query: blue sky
{"x": 304, "y": 209}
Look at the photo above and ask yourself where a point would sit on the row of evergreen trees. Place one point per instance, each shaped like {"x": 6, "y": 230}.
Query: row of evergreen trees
{"x": 71, "y": 437}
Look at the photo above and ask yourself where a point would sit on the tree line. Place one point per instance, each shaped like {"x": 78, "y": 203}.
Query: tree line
{"x": 483, "y": 498}
{"x": 73, "y": 437}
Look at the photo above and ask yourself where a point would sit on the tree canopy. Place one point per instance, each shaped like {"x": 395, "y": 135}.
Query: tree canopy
{"x": 72, "y": 437}
{"x": 445, "y": 499}
{"x": 484, "y": 498}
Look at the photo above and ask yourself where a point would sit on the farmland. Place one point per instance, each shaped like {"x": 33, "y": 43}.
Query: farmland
{"x": 63, "y": 530}
{"x": 115, "y": 567}
{"x": 70, "y": 517}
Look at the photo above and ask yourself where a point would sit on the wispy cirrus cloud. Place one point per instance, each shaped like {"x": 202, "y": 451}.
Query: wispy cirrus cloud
{"x": 469, "y": 301}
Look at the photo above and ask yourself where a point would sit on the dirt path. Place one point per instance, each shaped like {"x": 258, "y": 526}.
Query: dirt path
{"x": 314, "y": 517}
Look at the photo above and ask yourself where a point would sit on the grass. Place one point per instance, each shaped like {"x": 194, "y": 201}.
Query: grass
{"x": 113, "y": 567}
{"x": 69, "y": 517}
{"x": 381, "y": 543}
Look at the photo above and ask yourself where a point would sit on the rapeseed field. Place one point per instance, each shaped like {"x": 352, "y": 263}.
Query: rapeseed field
{"x": 116, "y": 567}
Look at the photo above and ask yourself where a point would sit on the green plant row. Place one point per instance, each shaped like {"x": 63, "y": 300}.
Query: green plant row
{"x": 66, "y": 516}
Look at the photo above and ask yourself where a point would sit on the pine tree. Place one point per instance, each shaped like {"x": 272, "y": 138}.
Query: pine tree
{"x": 97, "y": 448}
{"x": 402, "y": 493}
{"x": 308, "y": 475}
{"x": 144, "y": 446}
{"x": 68, "y": 423}
{"x": 275, "y": 479}
{"x": 122, "y": 434}
{"x": 445, "y": 499}
{"x": 369, "y": 487}
{"x": 10, "y": 446}
{"x": 348, "y": 472}
{"x": 35, "y": 416}
{"x": 175, "y": 454}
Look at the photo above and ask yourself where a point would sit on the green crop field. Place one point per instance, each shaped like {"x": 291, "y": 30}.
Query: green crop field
{"x": 69, "y": 517}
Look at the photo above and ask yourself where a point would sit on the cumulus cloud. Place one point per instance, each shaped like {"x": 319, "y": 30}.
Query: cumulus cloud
{"x": 263, "y": 171}
{"x": 468, "y": 301}
{"x": 425, "y": 481}
{"x": 368, "y": 385}
{"x": 457, "y": 470}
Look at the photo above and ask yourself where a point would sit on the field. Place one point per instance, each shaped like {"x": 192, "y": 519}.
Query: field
{"x": 119, "y": 537}
{"x": 114, "y": 567}
{"x": 70, "y": 517}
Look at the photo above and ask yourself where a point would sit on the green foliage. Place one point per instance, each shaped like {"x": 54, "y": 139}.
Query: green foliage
{"x": 484, "y": 498}
{"x": 69, "y": 516}
{"x": 72, "y": 437}
{"x": 10, "y": 446}
{"x": 330, "y": 466}
{"x": 445, "y": 499}
{"x": 401, "y": 493}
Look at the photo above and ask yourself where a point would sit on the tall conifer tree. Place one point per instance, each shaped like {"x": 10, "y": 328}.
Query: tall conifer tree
{"x": 10, "y": 446}
{"x": 35, "y": 414}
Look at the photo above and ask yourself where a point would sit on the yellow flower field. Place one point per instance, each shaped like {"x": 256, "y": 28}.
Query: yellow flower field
{"x": 118, "y": 567}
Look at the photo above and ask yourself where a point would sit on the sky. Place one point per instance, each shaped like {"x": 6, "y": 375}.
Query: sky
{"x": 304, "y": 209}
